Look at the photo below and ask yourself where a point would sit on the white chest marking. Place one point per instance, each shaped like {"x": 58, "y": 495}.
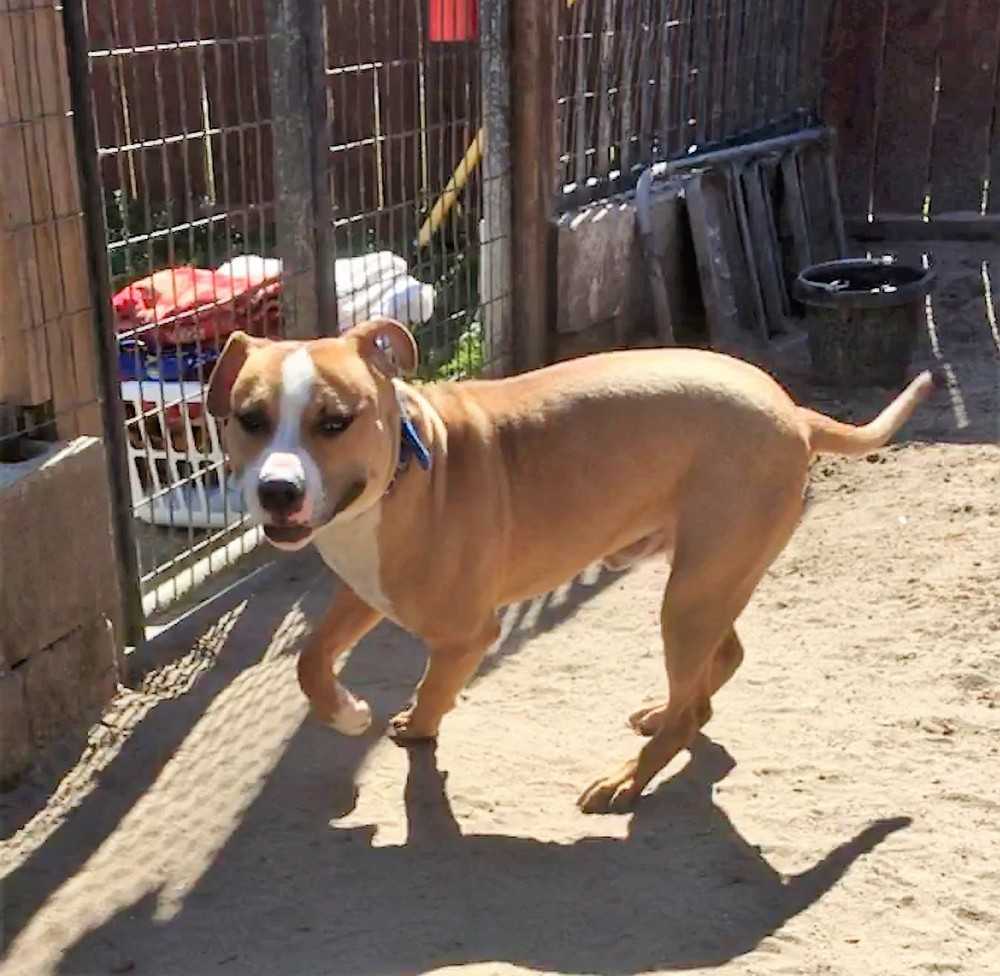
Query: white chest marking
{"x": 350, "y": 548}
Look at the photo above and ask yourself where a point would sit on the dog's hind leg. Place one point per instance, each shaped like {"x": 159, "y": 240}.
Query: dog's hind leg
{"x": 718, "y": 562}
{"x": 725, "y": 661}
{"x": 450, "y": 665}
{"x": 693, "y": 628}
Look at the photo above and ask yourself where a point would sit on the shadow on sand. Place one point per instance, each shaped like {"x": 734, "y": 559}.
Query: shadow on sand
{"x": 221, "y": 806}
{"x": 683, "y": 889}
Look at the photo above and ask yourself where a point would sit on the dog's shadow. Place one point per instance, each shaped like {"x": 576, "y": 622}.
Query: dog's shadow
{"x": 683, "y": 889}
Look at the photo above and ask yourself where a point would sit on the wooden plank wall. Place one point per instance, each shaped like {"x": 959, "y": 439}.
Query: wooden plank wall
{"x": 403, "y": 109}
{"x": 912, "y": 88}
{"x": 46, "y": 335}
{"x": 186, "y": 86}
{"x": 181, "y": 103}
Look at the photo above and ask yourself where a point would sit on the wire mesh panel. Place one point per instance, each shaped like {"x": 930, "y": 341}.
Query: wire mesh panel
{"x": 181, "y": 108}
{"x": 647, "y": 80}
{"x": 912, "y": 90}
{"x": 407, "y": 172}
{"x": 200, "y": 123}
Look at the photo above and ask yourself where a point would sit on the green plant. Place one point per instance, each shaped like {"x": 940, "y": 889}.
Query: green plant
{"x": 466, "y": 357}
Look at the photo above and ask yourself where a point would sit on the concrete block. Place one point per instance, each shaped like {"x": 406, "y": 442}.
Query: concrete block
{"x": 51, "y": 691}
{"x": 67, "y": 684}
{"x": 16, "y": 749}
{"x": 100, "y": 665}
{"x": 57, "y": 561}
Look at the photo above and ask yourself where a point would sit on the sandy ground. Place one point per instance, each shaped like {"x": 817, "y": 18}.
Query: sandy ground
{"x": 841, "y": 816}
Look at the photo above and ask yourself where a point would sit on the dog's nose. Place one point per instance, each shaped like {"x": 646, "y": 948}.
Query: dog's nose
{"x": 280, "y": 496}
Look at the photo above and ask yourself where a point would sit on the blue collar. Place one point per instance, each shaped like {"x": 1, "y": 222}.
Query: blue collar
{"x": 410, "y": 445}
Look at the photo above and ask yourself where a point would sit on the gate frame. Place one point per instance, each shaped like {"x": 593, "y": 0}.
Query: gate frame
{"x": 297, "y": 40}
{"x": 105, "y": 344}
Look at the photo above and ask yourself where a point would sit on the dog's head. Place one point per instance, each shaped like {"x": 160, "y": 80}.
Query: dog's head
{"x": 313, "y": 427}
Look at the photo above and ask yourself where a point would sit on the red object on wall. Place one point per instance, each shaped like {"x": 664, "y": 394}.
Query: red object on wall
{"x": 452, "y": 20}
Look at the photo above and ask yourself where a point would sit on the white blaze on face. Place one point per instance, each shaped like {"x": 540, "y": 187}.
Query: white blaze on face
{"x": 285, "y": 457}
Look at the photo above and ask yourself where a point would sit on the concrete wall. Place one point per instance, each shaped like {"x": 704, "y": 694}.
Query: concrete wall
{"x": 60, "y": 613}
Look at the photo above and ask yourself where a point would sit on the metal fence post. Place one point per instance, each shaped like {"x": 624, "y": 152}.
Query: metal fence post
{"x": 112, "y": 410}
{"x": 534, "y": 160}
{"x": 495, "y": 243}
{"x": 296, "y": 45}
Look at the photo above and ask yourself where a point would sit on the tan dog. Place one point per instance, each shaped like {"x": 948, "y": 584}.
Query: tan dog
{"x": 688, "y": 454}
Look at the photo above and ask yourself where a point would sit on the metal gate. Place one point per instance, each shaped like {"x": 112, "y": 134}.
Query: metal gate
{"x": 287, "y": 168}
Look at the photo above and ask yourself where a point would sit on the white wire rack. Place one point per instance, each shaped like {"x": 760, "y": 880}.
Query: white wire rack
{"x": 176, "y": 463}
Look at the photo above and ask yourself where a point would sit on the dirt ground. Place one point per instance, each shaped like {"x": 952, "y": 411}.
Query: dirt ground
{"x": 841, "y": 815}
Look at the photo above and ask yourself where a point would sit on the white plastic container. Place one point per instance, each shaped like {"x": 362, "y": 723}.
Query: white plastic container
{"x": 176, "y": 465}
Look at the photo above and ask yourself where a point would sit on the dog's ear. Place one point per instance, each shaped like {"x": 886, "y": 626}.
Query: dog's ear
{"x": 227, "y": 368}
{"x": 387, "y": 344}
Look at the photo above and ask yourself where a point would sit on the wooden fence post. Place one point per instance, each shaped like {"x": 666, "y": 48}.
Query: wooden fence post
{"x": 534, "y": 159}
{"x": 296, "y": 44}
{"x": 495, "y": 238}
{"x": 817, "y": 21}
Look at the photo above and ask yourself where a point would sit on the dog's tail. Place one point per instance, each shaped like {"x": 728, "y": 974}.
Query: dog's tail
{"x": 829, "y": 436}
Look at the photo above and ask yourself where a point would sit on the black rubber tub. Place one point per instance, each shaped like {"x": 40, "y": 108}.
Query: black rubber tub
{"x": 864, "y": 317}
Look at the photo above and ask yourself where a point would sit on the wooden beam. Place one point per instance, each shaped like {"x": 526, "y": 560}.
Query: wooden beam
{"x": 960, "y": 154}
{"x": 726, "y": 286}
{"x": 942, "y": 227}
{"x": 852, "y": 86}
{"x": 296, "y": 45}
{"x": 905, "y": 130}
{"x": 762, "y": 245}
{"x": 534, "y": 158}
{"x": 495, "y": 243}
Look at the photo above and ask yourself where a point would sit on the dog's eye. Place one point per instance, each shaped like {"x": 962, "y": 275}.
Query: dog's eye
{"x": 334, "y": 424}
{"x": 253, "y": 421}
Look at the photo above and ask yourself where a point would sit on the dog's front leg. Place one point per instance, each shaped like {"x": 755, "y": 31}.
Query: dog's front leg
{"x": 346, "y": 622}
{"x": 450, "y": 665}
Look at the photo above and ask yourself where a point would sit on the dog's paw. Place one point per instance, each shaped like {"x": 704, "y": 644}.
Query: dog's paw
{"x": 647, "y": 721}
{"x": 404, "y": 728}
{"x": 353, "y": 717}
{"x": 611, "y": 794}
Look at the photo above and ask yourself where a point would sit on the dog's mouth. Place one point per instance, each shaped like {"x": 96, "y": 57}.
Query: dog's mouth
{"x": 288, "y": 535}
{"x": 296, "y": 535}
